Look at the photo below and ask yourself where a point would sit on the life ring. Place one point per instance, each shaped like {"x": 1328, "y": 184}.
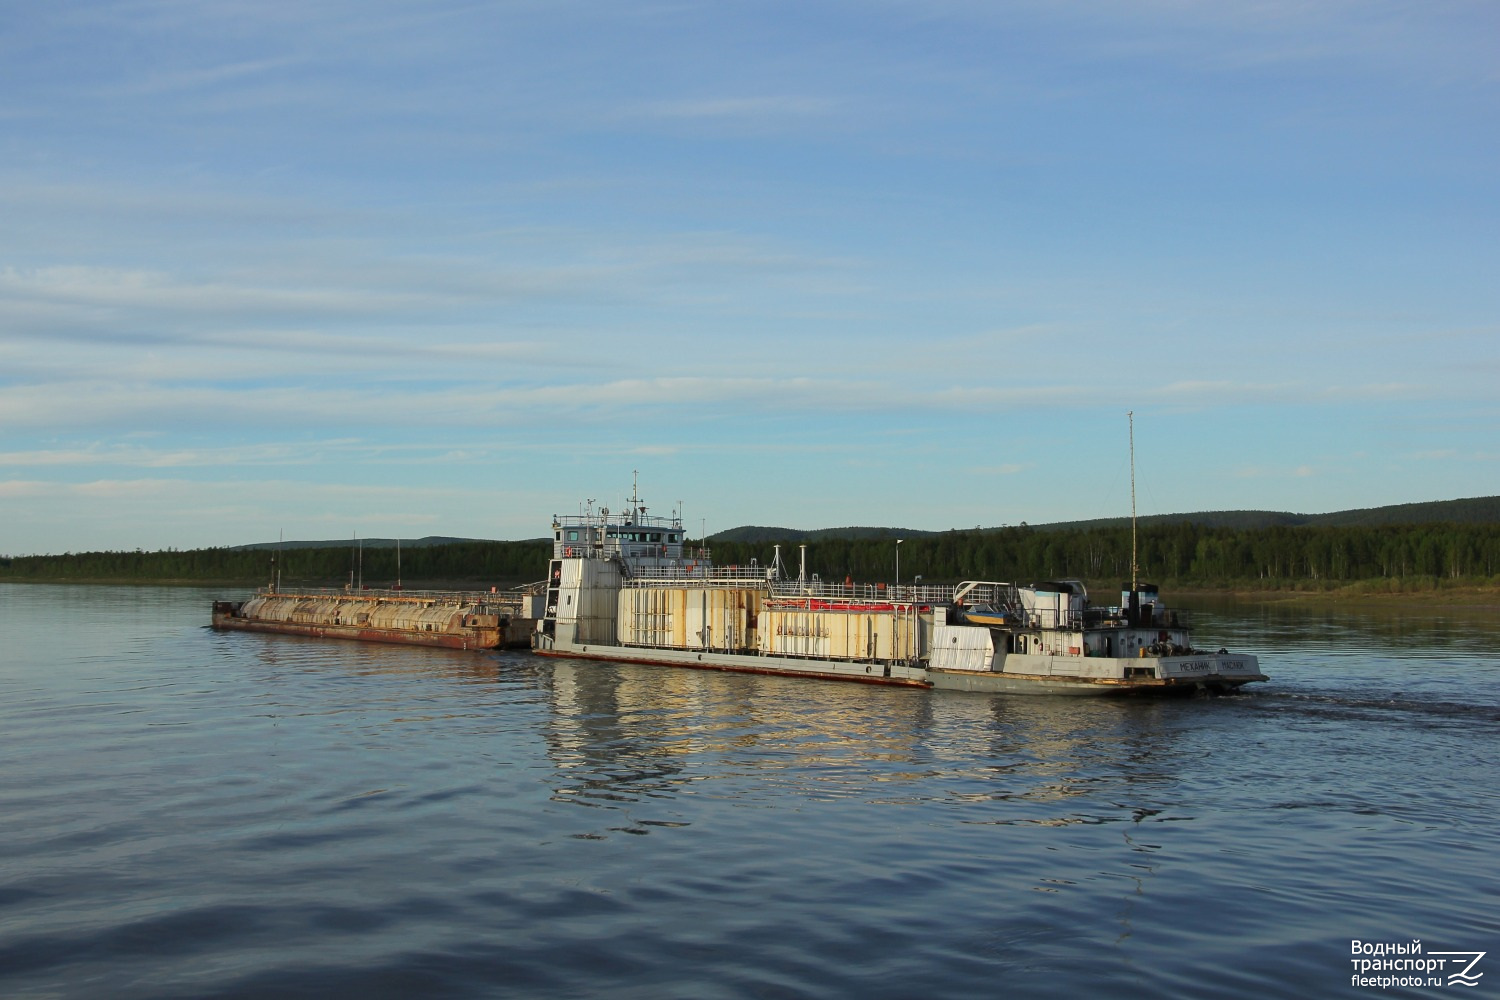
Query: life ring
{"x": 568, "y": 551}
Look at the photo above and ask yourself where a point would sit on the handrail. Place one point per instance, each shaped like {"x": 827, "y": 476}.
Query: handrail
{"x": 902, "y": 594}
{"x": 615, "y": 520}
{"x": 383, "y": 594}
{"x": 698, "y": 575}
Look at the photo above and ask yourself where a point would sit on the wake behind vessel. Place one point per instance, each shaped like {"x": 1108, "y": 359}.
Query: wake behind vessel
{"x": 625, "y": 587}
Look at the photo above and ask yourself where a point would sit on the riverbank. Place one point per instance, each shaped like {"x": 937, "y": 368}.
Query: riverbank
{"x": 287, "y": 586}
{"x": 1467, "y": 598}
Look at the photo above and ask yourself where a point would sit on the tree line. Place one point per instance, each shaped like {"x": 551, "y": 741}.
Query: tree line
{"x": 1183, "y": 553}
{"x": 477, "y": 562}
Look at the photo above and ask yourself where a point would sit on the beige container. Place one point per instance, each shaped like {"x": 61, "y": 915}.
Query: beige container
{"x": 718, "y": 618}
{"x": 837, "y": 635}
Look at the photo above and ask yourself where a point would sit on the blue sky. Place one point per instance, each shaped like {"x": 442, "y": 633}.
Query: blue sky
{"x": 409, "y": 268}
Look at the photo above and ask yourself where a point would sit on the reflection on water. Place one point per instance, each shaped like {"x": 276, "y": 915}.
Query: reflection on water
{"x": 622, "y": 733}
{"x": 200, "y": 814}
{"x": 1413, "y": 627}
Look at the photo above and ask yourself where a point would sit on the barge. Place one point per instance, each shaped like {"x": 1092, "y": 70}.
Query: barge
{"x": 625, "y": 587}
{"x": 451, "y": 620}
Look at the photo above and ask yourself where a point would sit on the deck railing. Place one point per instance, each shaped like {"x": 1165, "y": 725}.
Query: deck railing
{"x": 493, "y": 598}
{"x": 875, "y": 592}
{"x": 690, "y": 574}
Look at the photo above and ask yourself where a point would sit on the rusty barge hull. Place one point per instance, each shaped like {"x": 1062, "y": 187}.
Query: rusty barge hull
{"x": 449, "y": 621}
{"x": 479, "y": 639}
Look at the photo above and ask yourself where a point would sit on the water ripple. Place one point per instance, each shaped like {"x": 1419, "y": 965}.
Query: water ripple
{"x": 190, "y": 814}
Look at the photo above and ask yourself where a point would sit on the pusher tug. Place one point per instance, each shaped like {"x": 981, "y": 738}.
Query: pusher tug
{"x": 622, "y": 587}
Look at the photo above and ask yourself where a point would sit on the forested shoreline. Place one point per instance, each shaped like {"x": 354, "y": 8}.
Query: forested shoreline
{"x": 463, "y": 562}
{"x": 1391, "y": 558}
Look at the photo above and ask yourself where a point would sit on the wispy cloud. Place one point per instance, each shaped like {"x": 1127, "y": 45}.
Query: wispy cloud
{"x": 102, "y": 455}
{"x": 740, "y": 108}
{"x": 17, "y": 489}
{"x": 198, "y": 78}
{"x": 469, "y": 402}
{"x": 159, "y": 292}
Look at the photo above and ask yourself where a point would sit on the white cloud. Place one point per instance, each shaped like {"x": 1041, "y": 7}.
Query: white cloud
{"x": 100, "y": 455}
{"x": 757, "y": 108}
{"x": 115, "y": 288}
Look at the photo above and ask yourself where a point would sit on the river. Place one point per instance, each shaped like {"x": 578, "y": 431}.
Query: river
{"x": 195, "y": 814}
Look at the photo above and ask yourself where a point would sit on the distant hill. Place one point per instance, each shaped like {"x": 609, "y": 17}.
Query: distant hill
{"x": 369, "y": 543}
{"x": 755, "y": 533}
{"x": 1475, "y": 510}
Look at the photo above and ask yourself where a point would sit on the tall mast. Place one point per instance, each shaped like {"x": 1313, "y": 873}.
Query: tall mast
{"x": 1134, "y": 569}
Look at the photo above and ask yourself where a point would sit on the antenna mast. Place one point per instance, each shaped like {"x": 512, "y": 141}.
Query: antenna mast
{"x": 1134, "y": 569}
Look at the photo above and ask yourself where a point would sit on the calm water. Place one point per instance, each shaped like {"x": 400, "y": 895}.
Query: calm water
{"x": 192, "y": 814}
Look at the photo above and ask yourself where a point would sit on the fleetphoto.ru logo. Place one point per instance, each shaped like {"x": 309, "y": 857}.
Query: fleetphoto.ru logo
{"x": 1383, "y": 964}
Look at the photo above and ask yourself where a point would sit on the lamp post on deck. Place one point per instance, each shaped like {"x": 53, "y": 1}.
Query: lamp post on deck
{"x": 898, "y": 562}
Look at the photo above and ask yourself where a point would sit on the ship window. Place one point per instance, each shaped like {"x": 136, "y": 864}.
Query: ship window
{"x": 558, "y": 536}
{"x": 573, "y": 536}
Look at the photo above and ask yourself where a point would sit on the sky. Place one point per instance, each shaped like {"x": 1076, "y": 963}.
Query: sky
{"x": 393, "y": 269}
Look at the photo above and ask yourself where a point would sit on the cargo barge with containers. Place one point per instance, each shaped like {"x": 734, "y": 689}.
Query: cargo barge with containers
{"x": 626, "y": 587}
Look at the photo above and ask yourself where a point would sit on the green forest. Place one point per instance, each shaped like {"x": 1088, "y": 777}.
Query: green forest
{"x": 467, "y": 563}
{"x": 1273, "y": 558}
{"x": 1303, "y": 557}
